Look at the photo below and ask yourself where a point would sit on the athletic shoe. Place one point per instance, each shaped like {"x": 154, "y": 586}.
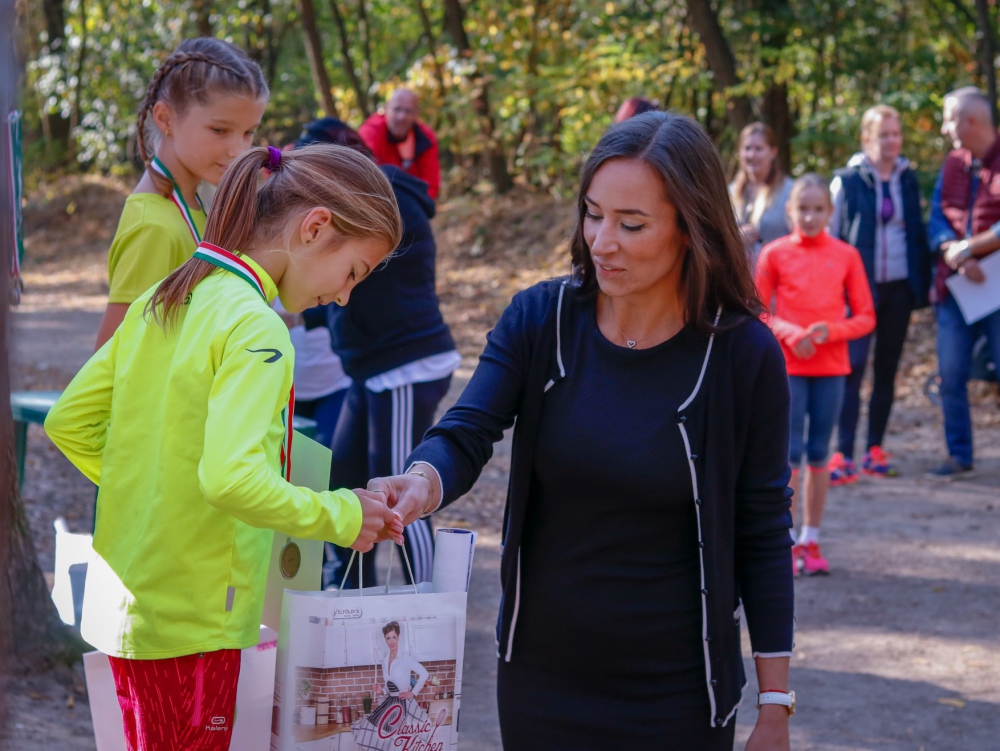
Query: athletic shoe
{"x": 798, "y": 552}
{"x": 952, "y": 470}
{"x": 876, "y": 463}
{"x": 843, "y": 471}
{"x": 813, "y": 562}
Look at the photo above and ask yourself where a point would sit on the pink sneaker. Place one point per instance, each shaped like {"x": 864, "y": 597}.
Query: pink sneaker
{"x": 843, "y": 471}
{"x": 813, "y": 562}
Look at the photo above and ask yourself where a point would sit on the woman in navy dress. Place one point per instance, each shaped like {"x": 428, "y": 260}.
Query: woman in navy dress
{"x": 648, "y": 507}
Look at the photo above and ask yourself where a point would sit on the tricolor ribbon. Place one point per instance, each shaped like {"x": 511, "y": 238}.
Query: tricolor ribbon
{"x": 178, "y": 198}
{"x": 223, "y": 259}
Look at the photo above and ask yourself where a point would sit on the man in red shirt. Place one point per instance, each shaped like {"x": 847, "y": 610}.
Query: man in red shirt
{"x": 399, "y": 138}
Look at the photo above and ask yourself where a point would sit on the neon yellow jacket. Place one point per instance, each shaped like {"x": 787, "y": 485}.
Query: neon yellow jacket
{"x": 182, "y": 432}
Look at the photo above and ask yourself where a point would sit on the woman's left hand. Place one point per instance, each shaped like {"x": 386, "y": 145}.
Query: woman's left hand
{"x": 405, "y": 694}
{"x": 771, "y": 731}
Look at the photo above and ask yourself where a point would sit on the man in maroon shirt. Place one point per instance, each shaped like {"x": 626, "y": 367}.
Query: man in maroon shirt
{"x": 398, "y": 137}
{"x": 964, "y": 228}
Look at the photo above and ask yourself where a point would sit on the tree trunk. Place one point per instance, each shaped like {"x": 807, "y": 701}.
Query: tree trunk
{"x": 202, "y": 10}
{"x": 366, "y": 45}
{"x": 55, "y": 27}
{"x": 32, "y": 638}
{"x": 496, "y": 160}
{"x": 989, "y": 52}
{"x": 431, "y": 38}
{"x": 78, "y": 88}
{"x": 721, "y": 61}
{"x": 345, "y": 54}
{"x": 314, "y": 51}
{"x": 777, "y": 17}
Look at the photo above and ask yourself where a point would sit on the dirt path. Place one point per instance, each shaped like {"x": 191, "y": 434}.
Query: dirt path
{"x": 898, "y": 649}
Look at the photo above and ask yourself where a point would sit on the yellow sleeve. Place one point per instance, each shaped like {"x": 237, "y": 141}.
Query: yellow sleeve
{"x": 249, "y": 390}
{"x": 78, "y": 421}
{"x": 141, "y": 256}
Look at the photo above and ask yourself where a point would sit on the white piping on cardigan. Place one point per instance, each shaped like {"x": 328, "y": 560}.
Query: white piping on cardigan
{"x": 517, "y": 606}
{"x": 697, "y": 513}
{"x": 559, "y": 360}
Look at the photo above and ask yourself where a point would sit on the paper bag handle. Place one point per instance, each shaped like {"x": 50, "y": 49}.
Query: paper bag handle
{"x": 388, "y": 573}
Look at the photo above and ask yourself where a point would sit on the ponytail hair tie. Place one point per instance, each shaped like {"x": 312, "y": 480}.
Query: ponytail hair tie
{"x": 274, "y": 160}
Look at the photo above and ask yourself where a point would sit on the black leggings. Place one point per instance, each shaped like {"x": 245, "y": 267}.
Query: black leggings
{"x": 893, "y": 305}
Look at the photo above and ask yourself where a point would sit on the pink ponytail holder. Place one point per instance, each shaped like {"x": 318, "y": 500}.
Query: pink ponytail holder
{"x": 275, "y": 159}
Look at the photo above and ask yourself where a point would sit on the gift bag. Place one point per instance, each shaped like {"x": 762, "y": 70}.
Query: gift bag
{"x": 375, "y": 668}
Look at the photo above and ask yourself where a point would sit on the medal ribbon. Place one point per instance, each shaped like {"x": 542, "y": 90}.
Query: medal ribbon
{"x": 223, "y": 259}
{"x": 178, "y": 198}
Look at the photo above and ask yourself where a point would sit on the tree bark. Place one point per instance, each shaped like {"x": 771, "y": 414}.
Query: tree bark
{"x": 721, "y": 61}
{"x": 78, "y": 88}
{"x": 431, "y": 37}
{"x": 496, "y": 159}
{"x": 314, "y": 51}
{"x": 989, "y": 52}
{"x": 202, "y": 10}
{"x": 775, "y": 109}
{"x": 345, "y": 54}
{"x": 55, "y": 27}
{"x": 366, "y": 45}
{"x": 32, "y": 638}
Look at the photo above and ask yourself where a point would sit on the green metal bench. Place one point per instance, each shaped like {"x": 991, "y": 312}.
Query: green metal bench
{"x": 32, "y": 407}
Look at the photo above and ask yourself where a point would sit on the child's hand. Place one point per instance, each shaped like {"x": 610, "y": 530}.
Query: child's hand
{"x": 805, "y": 348}
{"x": 378, "y": 522}
{"x": 819, "y": 333}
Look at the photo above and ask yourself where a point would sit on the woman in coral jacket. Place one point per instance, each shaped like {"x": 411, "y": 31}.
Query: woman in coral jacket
{"x": 810, "y": 276}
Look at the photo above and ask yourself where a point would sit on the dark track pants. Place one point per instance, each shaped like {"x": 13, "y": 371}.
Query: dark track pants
{"x": 374, "y": 436}
{"x": 894, "y": 303}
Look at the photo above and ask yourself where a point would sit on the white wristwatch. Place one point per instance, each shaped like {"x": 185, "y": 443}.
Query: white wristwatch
{"x": 777, "y": 697}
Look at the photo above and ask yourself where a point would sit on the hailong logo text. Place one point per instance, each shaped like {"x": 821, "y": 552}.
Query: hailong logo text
{"x": 407, "y": 737}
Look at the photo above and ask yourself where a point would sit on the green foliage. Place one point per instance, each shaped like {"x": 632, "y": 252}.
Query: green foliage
{"x": 556, "y": 71}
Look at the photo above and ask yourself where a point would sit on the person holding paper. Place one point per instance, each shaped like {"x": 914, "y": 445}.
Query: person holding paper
{"x": 876, "y": 208}
{"x": 964, "y": 227}
{"x": 183, "y": 417}
{"x": 648, "y": 504}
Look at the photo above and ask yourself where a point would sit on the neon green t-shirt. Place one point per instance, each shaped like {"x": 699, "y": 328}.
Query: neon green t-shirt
{"x": 182, "y": 430}
{"x": 151, "y": 241}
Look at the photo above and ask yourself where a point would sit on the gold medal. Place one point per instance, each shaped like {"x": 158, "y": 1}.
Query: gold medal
{"x": 290, "y": 559}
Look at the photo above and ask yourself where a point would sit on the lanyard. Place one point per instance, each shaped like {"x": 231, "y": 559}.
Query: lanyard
{"x": 223, "y": 259}
{"x": 178, "y": 198}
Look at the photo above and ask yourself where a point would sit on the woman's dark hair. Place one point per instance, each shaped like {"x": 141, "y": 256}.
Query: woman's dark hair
{"x": 332, "y": 130}
{"x": 716, "y": 270}
{"x": 390, "y": 626}
{"x": 195, "y": 72}
{"x": 633, "y": 106}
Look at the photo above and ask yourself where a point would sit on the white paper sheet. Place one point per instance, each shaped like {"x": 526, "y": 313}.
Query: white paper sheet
{"x": 977, "y": 301}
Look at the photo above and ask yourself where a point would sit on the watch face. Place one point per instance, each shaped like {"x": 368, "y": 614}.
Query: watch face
{"x": 289, "y": 560}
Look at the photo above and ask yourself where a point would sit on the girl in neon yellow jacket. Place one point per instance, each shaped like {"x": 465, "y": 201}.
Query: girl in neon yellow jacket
{"x": 180, "y": 417}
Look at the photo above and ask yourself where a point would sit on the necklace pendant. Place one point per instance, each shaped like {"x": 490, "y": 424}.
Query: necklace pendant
{"x": 630, "y": 343}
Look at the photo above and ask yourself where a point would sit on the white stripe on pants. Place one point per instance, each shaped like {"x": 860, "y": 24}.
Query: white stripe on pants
{"x": 418, "y": 534}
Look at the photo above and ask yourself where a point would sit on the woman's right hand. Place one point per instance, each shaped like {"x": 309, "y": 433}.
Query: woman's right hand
{"x": 410, "y": 496}
{"x": 378, "y": 522}
{"x": 805, "y": 348}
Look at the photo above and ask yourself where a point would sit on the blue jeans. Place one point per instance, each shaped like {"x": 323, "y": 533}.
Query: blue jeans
{"x": 819, "y": 397}
{"x": 955, "y": 339}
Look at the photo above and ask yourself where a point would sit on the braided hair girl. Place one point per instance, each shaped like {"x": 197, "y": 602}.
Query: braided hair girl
{"x": 200, "y": 112}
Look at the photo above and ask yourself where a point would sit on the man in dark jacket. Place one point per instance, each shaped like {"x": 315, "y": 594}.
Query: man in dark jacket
{"x": 964, "y": 228}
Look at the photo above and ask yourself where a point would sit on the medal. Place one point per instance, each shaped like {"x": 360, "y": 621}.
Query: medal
{"x": 178, "y": 198}
{"x": 289, "y": 559}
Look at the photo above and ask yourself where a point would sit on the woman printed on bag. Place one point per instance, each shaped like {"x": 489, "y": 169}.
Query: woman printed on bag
{"x": 397, "y": 669}
{"x": 649, "y": 468}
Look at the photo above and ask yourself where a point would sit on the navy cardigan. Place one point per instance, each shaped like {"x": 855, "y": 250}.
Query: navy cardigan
{"x": 735, "y": 424}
